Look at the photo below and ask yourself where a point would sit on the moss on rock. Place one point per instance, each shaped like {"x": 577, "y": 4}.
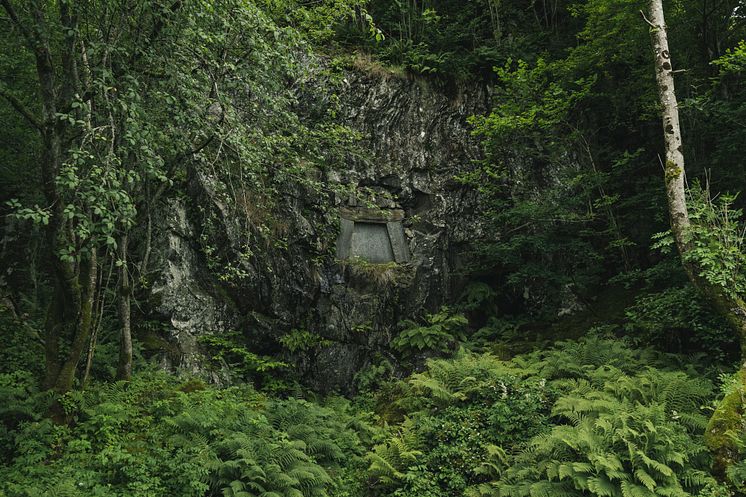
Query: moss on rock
{"x": 726, "y": 422}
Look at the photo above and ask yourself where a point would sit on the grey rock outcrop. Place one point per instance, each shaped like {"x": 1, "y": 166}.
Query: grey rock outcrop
{"x": 417, "y": 141}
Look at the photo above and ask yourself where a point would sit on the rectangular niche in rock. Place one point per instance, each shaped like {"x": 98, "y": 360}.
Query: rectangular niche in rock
{"x": 374, "y": 235}
{"x": 370, "y": 241}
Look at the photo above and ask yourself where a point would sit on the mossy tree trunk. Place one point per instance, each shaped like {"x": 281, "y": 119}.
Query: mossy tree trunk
{"x": 728, "y": 416}
{"x": 74, "y": 279}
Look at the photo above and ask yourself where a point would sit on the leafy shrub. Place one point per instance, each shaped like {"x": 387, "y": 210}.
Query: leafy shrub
{"x": 717, "y": 236}
{"x": 620, "y": 436}
{"x": 20, "y": 401}
{"x": 620, "y": 427}
{"x": 302, "y": 341}
{"x": 477, "y": 295}
{"x": 574, "y": 359}
{"x": 592, "y": 417}
{"x": 679, "y": 321}
{"x": 226, "y": 350}
{"x": 456, "y": 410}
{"x": 22, "y": 350}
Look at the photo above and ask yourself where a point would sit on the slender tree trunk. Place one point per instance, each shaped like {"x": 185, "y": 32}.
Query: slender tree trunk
{"x": 66, "y": 376}
{"x": 65, "y": 306}
{"x": 53, "y": 324}
{"x": 728, "y": 416}
{"x": 89, "y": 356}
{"x": 124, "y": 368}
{"x": 96, "y": 326}
{"x": 674, "y": 165}
{"x": 148, "y": 243}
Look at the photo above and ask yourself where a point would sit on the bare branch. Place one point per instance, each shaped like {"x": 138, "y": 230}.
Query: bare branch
{"x": 644, "y": 18}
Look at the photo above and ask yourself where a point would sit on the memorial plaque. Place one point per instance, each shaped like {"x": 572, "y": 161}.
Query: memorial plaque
{"x": 372, "y": 235}
{"x": 371, "y": 242}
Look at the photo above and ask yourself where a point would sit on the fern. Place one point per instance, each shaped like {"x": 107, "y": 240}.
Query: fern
{"x": 441, "y": 333}
{"x": 390, "y": 459}
{"x": 622, "y": 439}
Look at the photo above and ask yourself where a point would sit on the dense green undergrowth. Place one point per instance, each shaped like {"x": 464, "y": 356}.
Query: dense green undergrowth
{"x": 589, "y": 417}
{"x": 161, "y": 435}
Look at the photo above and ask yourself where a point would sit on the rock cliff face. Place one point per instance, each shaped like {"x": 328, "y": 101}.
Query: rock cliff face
{"x": 402, "y": 213}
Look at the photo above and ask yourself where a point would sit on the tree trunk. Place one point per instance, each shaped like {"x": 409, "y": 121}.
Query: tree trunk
{"x": 727, "y": 416}
{"x": 65, "y": 307}
{"x": 124, "y": 368}
{"x": 53, "y": 324}
{"x": 66, "y": 376}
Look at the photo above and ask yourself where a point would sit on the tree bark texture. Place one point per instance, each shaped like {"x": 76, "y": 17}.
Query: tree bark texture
{"x": 124, "y": 368}
{"x": 728, "y": 416}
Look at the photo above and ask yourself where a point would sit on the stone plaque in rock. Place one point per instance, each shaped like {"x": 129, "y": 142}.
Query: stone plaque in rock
{"x": 371, "y": 242}
{"x": 373, "y": 235}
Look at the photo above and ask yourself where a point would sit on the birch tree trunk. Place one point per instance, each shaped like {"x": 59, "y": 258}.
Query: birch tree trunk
{"x": 727, "y": 417}
{"x": 124, "y": 367}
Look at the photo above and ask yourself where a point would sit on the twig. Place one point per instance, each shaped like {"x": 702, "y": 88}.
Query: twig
{"x": 648, "y": 21}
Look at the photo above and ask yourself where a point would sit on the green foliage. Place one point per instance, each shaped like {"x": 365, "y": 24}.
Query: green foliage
{"x": 593, "y": 417}
{"x": 570, "y": 170}
{"x": 157, "y": 436}
{"x": 574, "y": 359}
{"x": 717, "y": 237}
{"x": 457, "y": 411}
{"x": 374, "y": 376}
{"x": 449, "y": 38}
{"x": 477, "y": 295}
{"x": 302, "y": 341}
{"x": 22, "y": 349}
{"x": 719, "y": 109}
{"x": 390, "y": 460}
{"x": 618, "y": 436}
{"x": 320, "y": 21}
{"x": 381, "y": 274}
{"x": 533, "y": 98}
{"x": 20, "y": 400}
{"x": 547, "y": 205}
{"x": 224, "y": 96}
{"x": 677, "y": 319}
{"x": 441, "y": 333}
{"x": 226, "y": 350}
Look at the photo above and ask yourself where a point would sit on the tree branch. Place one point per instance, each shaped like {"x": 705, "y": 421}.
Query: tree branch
{"x": 644, "y": 18}
{"x": 14, "y": 18}
{"x": 175, "y": 163}
{"x": 19, "y": 107}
